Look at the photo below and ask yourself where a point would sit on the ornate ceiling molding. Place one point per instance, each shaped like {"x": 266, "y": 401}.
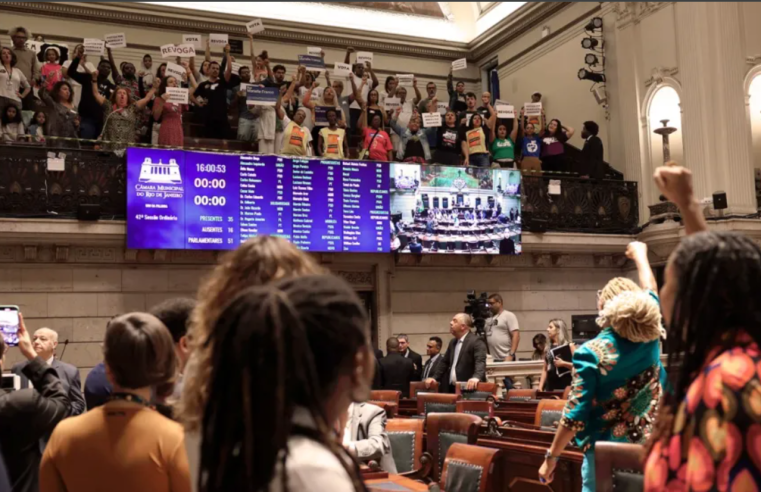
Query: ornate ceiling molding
{"x": 513, "y": 26}
{"x": 629, "y": 13}
{"x": 185, "y": 20}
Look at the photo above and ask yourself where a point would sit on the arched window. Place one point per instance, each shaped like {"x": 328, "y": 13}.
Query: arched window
{"x": 754, "y": 108}
{"x": 665, "y": 105}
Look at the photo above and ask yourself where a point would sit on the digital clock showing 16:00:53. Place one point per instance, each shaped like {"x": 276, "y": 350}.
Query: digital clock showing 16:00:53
{"x": 211, "y": 168}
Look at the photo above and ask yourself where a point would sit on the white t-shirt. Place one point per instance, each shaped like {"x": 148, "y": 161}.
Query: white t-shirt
{"x": 11, "y": 83}
{"x": 74, "y": 84}
{"x": 365, "y": 91}
{"x": 316, "y": 97}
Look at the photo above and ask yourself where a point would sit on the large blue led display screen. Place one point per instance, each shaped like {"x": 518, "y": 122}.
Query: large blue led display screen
{"x": 201, "y": 200}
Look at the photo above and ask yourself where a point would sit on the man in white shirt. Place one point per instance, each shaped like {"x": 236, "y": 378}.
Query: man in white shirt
{"x": 44, "y": 343}
{"x": 502, "y": 331}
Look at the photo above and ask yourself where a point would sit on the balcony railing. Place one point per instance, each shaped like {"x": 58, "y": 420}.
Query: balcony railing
{"x": 28, "y": 189}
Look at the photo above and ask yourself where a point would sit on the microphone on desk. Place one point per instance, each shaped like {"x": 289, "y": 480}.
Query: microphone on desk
{"x": 65, "y": 343}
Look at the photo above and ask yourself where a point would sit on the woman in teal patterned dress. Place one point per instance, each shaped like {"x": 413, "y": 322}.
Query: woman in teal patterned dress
{"x": 617, "y": 375}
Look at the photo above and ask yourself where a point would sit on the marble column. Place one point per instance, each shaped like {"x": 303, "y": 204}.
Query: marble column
{"x": 717, "y": 141}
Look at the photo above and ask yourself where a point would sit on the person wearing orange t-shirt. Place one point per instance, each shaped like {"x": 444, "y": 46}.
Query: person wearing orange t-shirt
{"x": 297, "y": 139}
{"x": 124, "y": 445}
{"x": 332, "y": 143}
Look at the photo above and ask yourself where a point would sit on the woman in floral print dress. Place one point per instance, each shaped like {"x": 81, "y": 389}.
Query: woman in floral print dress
{"x": 617, "y": 375}
{"x": 708, "y": 434}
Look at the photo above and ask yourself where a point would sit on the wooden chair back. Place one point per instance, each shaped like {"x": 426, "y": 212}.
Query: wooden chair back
{"x": 385, "y": 395}
{"x": 466, "y": 466}
{"x": 482, "y": 391}
{"x": 391, "y": 408}
{"x": 406, "y": 436}
{"x": 618, "y": 466}
{"x": 521, "y": 395}
{"x": 483, "y": 409}
{"x": 549, "y": 413}
{"x": 436, "y": 402}
{"x": 445, "y": 429}
{"x": 419, "y": 387}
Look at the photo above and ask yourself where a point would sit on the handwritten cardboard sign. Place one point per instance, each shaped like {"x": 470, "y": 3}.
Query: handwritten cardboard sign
{"x": 177, "y": 95}
{"x": 460, "y": 64}
{"x": 255, "y": 26}
{"x": 431, "y": 120}
{"x": 118, "y": 40}
{"x": 94, "y": 46}
{"x": 405, "y": 80}
{"x": 532, "y": 109}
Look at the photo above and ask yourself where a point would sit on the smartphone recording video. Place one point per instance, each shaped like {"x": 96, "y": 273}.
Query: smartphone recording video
{"x": 9, "y": 323}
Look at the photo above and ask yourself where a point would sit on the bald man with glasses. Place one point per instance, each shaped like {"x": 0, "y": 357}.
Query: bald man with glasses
{"x": 44, "y": 342}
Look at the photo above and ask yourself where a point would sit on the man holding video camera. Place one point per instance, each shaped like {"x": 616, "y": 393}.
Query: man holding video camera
{"x": 28, "y": 414}
{"x": 502, "y": 331}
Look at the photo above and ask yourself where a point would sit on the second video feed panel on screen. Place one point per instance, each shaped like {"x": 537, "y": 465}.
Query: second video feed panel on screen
{"x": 455, "y": 210}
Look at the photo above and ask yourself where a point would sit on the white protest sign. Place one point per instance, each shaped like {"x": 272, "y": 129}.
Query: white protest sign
{"x": 34, "y": 45}
{"x": 177, "y": 95}
{"x": 175, "y": 71}
{"x": 255, "y": 26}
{"x": 504, "y": 110}
{"x": 186, "y": 50}
{"x": 532, "y": 109}
{"x": 94, "y": 46}
{"x": 364, "y": 56}
{"x": 405, "y": 80}
{"x": 391, "y": 103}
{"x": 218, "y": 40}
{"x": 554, "y": 187}
{"x": 442, "y": 107}
{"x": 460, "y": 64}
{"x": 431, "y": 120}
{"x": 313, "y": 50}
{"x": 118, "y": 40}
{"x": 236, "y": 67}
{"x": 193, "y": 39}
{"x": 243, "y": 87}
{"x": 342, "y": 69}
{"x": 56, "y": 163}
{"x": 167, "y": 51}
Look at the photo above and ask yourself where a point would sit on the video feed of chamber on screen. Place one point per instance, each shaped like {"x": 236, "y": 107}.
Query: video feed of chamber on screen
{"x": 455, "y": 210}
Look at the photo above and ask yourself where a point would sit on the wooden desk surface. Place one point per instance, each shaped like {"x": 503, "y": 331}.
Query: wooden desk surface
{"x": 395, "y": 483}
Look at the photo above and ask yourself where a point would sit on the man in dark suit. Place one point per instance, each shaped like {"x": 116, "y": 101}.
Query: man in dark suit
{"x": 433, "y": 349}
{"x": 27, "y": 415}
{"x": 465, "y": 359}
{"x": 396, "y": 372}
{"x": 592, "y": 153}
{"x": 408, "y": 353}
{"x": 45, "y": 342}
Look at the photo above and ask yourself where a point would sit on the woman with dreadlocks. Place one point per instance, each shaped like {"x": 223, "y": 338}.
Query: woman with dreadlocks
{"x": 617, "y": 375}
{"x": 258, "y": 261}
{"x": 289, "y": 358}
{"x": 708, "y": 434}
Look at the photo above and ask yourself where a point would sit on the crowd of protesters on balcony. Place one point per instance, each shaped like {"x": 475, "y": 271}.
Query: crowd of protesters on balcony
{"x": 57, "y": 92}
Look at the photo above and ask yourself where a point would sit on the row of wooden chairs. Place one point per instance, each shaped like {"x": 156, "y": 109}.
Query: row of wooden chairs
{"x": 483, "y": 391}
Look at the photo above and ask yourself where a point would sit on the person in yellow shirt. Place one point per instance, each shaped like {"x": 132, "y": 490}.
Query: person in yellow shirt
{"x": 332, "y": 142}
{"x": 297, "y": 139}
{"x": 124, "y": 445}
{"x": 474, "y": 142}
